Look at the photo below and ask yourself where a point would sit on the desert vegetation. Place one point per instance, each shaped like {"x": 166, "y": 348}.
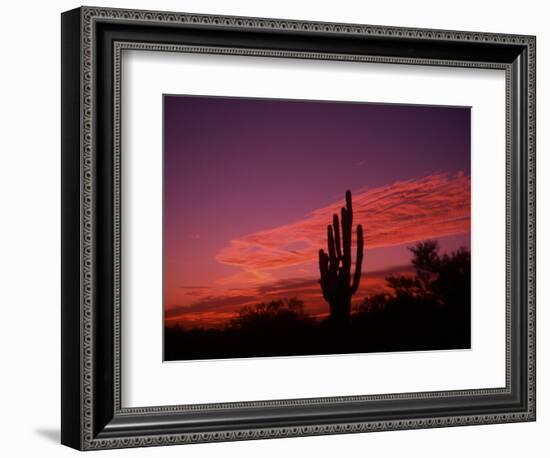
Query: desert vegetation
{"x": 428, "y": 310}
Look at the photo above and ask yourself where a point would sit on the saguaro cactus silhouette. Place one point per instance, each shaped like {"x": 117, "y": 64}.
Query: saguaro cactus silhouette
{"x": 335, "y": 267}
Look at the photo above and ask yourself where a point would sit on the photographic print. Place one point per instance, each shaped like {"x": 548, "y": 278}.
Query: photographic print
{"x": 304, "y": 227}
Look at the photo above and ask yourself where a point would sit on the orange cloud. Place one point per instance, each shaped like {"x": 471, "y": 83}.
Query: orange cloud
{"x": 403, "y": 212}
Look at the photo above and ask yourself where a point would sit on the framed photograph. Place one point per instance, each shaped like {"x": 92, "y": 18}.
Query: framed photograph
{"x": 276, "y": 228}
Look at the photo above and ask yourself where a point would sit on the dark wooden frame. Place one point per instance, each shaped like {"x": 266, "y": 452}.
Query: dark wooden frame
{"x": 92, "y": 40}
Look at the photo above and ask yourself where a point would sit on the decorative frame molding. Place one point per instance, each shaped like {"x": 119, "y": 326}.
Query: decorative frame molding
{"x": 92, "y": 414}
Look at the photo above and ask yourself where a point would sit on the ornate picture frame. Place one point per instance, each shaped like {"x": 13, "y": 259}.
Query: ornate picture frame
{"x": 93, "y": 416}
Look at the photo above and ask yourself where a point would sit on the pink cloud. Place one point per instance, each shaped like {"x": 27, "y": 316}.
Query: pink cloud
{"x": 406, "y": 211}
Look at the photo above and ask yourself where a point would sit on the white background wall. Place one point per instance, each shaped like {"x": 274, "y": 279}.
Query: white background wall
{"x": 30, "y": 229}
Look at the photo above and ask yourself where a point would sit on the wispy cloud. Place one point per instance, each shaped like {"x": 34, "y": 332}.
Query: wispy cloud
{"x": 406, "y": 211}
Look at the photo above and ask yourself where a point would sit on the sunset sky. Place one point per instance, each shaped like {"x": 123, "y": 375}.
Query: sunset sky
{"x": 251, "y": 184}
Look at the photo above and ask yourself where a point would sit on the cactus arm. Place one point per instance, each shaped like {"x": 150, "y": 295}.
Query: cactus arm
{"x": 359, "y": 260}
{"x": 333, "y": 261}
{"x": 346, "y": 242}
{"x": 349, "y": 209}
{"x": 336, "y": 224}
{"x": 346, "y": 236}
{"x": 323, "y": 265}
{"x": 323, "y": 269}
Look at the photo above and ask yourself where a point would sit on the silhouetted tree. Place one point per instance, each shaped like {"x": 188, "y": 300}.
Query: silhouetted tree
{"x": 428, "y": 309}
{"x": 441, "y": 280}
{"x": 335, "y": 267}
